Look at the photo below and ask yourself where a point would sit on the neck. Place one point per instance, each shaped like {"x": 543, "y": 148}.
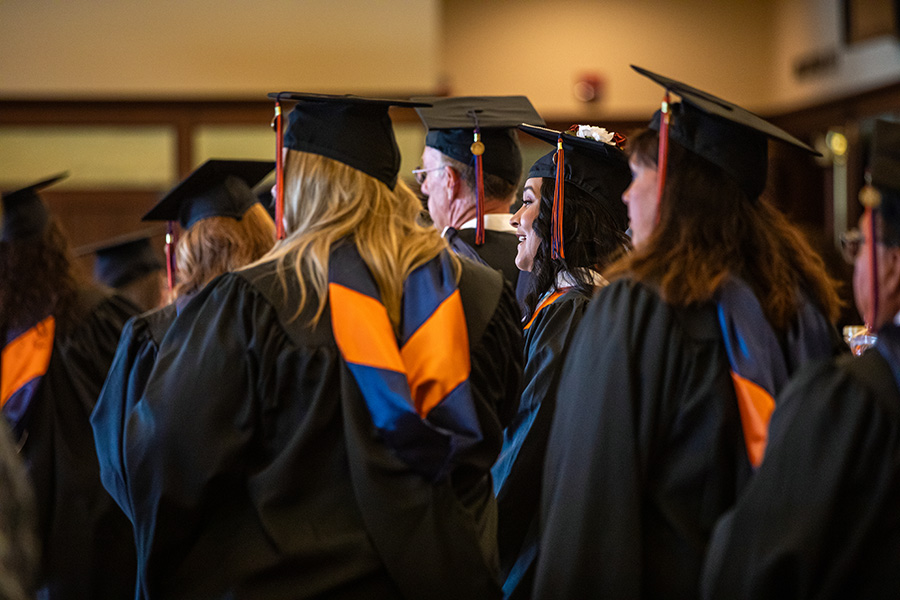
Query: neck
{"x": 467, "y": 212}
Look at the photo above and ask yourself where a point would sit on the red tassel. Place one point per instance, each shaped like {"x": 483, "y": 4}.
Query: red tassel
{"x": 556, "y": 216}
{"x": 663, "y": 159}
{"x": 478, "y": 150}
{"x": 170, "y": 255}
{"x": 279, "y": 174}
{"x": 873, "y": 308}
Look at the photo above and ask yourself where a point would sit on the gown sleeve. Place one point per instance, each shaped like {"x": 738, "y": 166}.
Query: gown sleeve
{"x": 125, "y": 382}
{"x": 819, "y": 519}
{"x": 89, "y": 350}
{"x": 545, "y": 342}
{"x": 185, "y": 438}
{"x": 518, "y": 471}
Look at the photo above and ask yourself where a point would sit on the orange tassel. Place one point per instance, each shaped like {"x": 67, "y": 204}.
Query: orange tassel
{"x": 556, "y": 225}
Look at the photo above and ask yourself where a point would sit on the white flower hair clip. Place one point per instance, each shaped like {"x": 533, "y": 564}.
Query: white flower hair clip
{"x": 598, "y": 134}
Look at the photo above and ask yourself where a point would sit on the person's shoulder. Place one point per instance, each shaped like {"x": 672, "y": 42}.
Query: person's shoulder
{"x": 836, "y": 386}
{"x": 491, "y": 237}
{"x": 642, "y": 304}
{"x": 154, "y": 323}
{"x": 98, "y": 307}
{"x": 576, "y": 297}
{"x": 478, "y": 276}
{"x": 626, "y": 294}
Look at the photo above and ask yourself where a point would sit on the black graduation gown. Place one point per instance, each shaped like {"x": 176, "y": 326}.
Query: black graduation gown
{"x": 19, "y": 551}
{"x": 87, "y": 544}
{"x": 498, "y": 252}
{"x": 254, "y": 470}
{"x": 518, "y": 471}
{"x": 821, "y": 518}
{"x": 646, "y": 450}
{"x": 131, "y": 367}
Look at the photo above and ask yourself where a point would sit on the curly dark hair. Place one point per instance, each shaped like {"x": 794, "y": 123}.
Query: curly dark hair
{"x": 37, "y": 278}
{"x": 592, "y": 242}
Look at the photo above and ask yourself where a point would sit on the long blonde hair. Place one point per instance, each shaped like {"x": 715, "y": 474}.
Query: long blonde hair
{"x": 327, "y": 201}
{"x": 217, "y": 245}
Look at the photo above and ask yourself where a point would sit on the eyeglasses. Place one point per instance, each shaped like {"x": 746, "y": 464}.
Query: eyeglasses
{"x": 851, "y": 242}
{"x": 420, "y": 174}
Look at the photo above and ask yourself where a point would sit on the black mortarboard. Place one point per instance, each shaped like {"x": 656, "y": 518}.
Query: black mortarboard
{"x": 353, "y": 130}
{"x": 882, "y": 191}
{"x": 884, "y": 166}
{"x": 124, "y": 258}
{"x": 218, "y": 188}
{"x": 597, "y": 168}
{"x": 728, "y": 136}
{"x": 451, "y": 122}
{"x": 24, "y": 213}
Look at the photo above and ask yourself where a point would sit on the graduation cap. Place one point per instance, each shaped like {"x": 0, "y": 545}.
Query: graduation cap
{"x": 353, "y": 130}
{"x": 885, "y": 162}
{"x": 598, "y": 168}
{"x": 480, "y": 129}
{"x": 728, "y": 136}
{"x": 124, "y": 258}
{"x": 24, "y": 213}
{"x": 217, "y": 188}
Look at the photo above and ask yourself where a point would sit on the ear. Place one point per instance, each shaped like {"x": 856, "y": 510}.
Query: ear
{"x": 452, "y": 181}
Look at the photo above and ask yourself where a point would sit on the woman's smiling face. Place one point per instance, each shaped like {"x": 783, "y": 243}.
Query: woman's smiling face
{"x": 523, "y": 221}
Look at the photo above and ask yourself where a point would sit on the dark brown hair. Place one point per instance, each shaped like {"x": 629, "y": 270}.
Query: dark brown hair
{"x": 709, "y": 228}
{"x": 37, "y": 279}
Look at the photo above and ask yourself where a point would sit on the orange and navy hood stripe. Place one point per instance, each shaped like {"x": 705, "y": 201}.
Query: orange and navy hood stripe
{"x": 416, "y": 387}
{"x": 23, "y": 363}
{"x": 760, "y": 367}
{"x": 544, "y": 304}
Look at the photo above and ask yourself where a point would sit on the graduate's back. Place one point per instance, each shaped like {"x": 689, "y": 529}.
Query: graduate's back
{"x": 323, "y": 422}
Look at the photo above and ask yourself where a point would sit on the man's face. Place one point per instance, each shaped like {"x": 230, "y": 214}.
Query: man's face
{"x": 435, "y": 188}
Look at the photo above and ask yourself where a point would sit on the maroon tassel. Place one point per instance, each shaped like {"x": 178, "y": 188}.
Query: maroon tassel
{"x": 279, "y": 173}
{"x": 663, "y": 159}
{"x": 556, "y": 216}
{"x": 170, "y": 255}
{"x": 870, "y": 318}
{"x": 478, "y": 149}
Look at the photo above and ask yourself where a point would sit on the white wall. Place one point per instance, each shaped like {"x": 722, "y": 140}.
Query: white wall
{"x": 216, "y": 48}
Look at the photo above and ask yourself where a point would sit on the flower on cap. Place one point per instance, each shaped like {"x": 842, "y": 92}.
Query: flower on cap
{"x": 598, "y": 134}
{"x": 591, "y": 132}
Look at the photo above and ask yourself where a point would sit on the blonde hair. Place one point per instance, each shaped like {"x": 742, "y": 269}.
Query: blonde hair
{"x": 217, "y": 245}
{"x": 327, "y": 201}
